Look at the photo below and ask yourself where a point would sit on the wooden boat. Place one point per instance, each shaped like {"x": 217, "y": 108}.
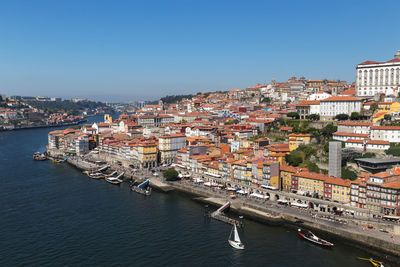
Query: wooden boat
{"x": 373, "y": 262}
{"x": 309, "y": 236}
{"x": 235, "y": 242}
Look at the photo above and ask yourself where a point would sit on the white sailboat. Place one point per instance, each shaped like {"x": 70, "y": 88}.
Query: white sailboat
{"x": 235, "y": 243}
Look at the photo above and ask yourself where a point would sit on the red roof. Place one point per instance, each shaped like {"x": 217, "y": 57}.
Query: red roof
{"x": 385, "y": 128}
{"x": 393, "y": 60}
{"x": 340, "y": 98}
{"x": 368, "y": 62}
{"x": 351, "y": 123}
{"x": 351, "y": 134}
{"x": 378, "y": 142}
{"x": 355, "y": 141}
{"x": 350, "y": 91}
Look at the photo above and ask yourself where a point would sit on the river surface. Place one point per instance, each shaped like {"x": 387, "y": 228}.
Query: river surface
{"x": 52, "y": 215}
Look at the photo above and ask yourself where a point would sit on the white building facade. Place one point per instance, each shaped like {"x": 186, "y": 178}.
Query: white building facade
{"x": 332, "y": 106}
{"x": 378, "y": 77}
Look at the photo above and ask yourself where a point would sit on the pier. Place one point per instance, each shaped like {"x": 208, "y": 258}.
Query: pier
{"x": 220, "y": 216}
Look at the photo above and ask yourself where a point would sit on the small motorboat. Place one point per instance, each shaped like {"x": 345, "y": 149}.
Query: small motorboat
{"x": 39, "y": 156}
{"x": 143, "y": 188}
{"x": 235, "y": 242}
{"x": 96, "y": 175}
{"x": 115, "y": 180}
{"x": 373, "y": 262}
{"x": 308, "y": 235}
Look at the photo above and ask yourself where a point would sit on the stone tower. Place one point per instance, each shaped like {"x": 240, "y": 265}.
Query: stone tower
{"x": 335, "y": 159}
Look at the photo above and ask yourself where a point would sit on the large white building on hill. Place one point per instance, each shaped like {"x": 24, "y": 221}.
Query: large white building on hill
{"x": 378, "y": 77}
{"x": 332, "y": 106}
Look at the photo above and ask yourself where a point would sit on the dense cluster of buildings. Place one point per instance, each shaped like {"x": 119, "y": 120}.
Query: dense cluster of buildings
{"x": 221, "y": 137}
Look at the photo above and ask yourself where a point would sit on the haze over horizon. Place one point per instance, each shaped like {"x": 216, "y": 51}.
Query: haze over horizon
{"x": 127, "y": 51}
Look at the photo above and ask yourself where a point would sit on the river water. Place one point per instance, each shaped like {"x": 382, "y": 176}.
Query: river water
{"x": 52, "y": 215}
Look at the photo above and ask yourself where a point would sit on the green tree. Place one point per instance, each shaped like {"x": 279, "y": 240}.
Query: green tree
{"x": 355, "y": 116}
{"x": 387, "y": 117}
{"x": 294, "y": 159}
{"x": 293, "y": 115}
{"x": 348, "y": 174}
{"x": 328, "y": 130}
{"x": 308, "y": 150}
{"x": 393, "y": 150}
{"x": 312, "y": 167}
{"x": 171, "y": 174}
{"x": 231, "y": 122}
{"x": 342, "y": 117}
{"x": 369, "y": 155}
{"x": 266, "y": 100}
{"x": 313, "y": 117}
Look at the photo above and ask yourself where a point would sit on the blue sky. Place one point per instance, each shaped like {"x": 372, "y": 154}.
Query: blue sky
{"x": 132, "y": 50}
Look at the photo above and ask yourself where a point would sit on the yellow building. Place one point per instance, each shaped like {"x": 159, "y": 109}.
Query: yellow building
{"x": 285, "y": 174}
{"x": 337, "y": 189}
{"x": 295, "y": 140}
{"x": 147, "y": 152}
{"x": 213, "y": 169}
{"x": 385, "y": 108}
{"x": 311, "y": 182}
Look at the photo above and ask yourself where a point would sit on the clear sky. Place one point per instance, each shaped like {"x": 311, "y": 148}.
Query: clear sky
{"x": 132, "y": 50}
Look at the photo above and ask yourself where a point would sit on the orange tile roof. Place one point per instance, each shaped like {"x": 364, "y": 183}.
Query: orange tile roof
{"x": 385, "y": 128}
{"x": 340, "y": 98}
{"x": 378, "y": 142}
{"x": 314, "y": 176}
{"x": 351, "y": 134}
{"x": 308, "y": 103}
{"x": 393, "y": 184}
{"x": 337, "y": 181}
{"x": 355, "y": 141}
{"x": 353, "y": 123}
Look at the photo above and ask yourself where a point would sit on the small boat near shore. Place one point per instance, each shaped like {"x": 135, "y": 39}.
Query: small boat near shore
{"x": 39, "y": 156}
{"x": 115, "y": 180}
{"x": 96, "y": 175}
{"x": 309, "y": 236}
{"x": 143, "y": 188}
{"x": 235, "y": 242}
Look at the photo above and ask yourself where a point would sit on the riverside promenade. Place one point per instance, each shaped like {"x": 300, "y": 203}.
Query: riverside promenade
{"x": 351, "y": 230}
{"x": 267, "y": 211}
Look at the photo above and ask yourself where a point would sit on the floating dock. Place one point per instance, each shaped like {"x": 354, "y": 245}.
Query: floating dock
{"x": 220, "y": 216}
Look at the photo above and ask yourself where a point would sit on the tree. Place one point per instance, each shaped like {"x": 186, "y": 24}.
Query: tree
{"x": 231, "y": 122}
{"x": 387, "y": 117}
{"x": 293, "y": 115}
{"x": 312, "y": 167}
{"x": 355, "y": 116}
{"x": 308, "y": 150}
{"x": 266, "y": 100}
{"x": 393, "y": 150}
{"x": 328, "y": 130}
{"x": 313, "y": 117}
{"x": 348, "y": 174}
{"x": 294, "y": 159}
{"x": 369, "y": 155}
{"x": 342, "y": 117}
{"x": 171, "y": 175}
